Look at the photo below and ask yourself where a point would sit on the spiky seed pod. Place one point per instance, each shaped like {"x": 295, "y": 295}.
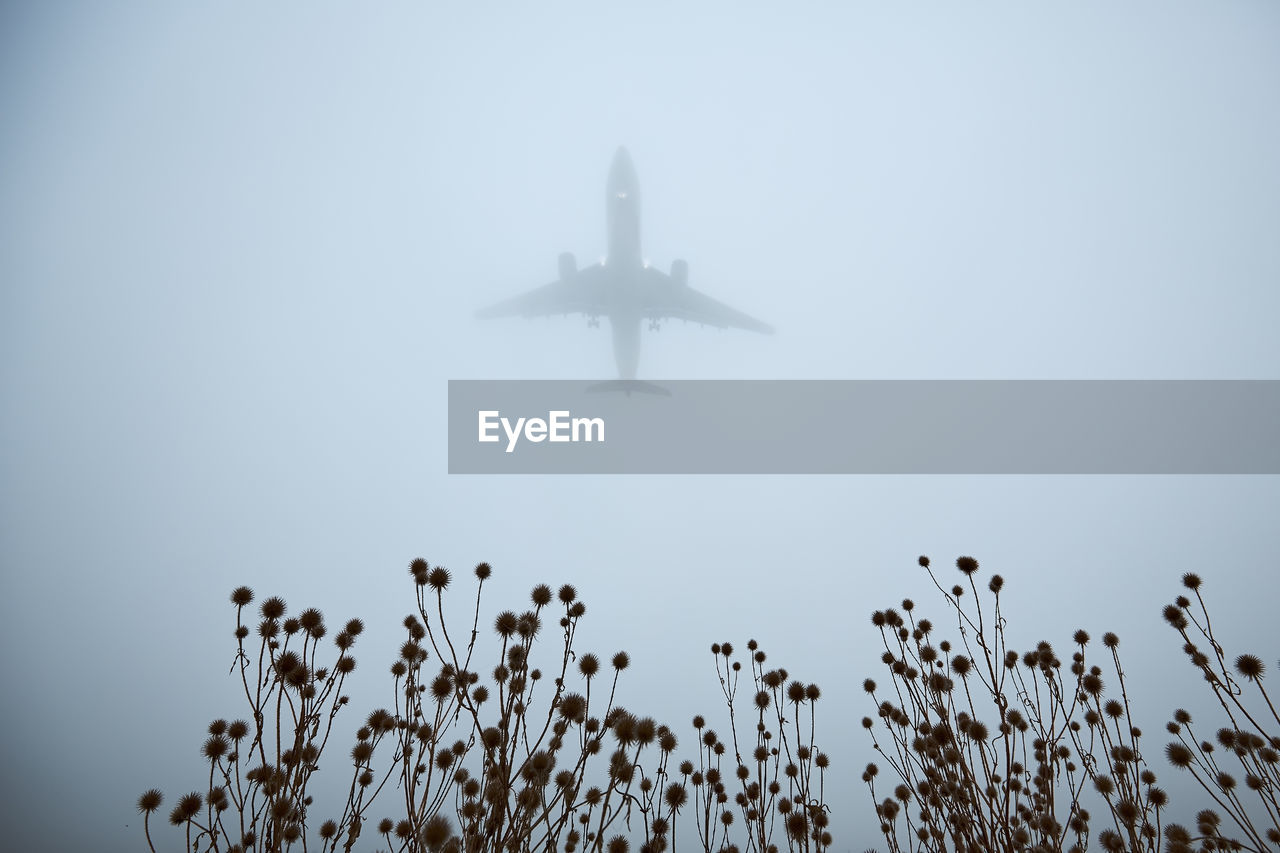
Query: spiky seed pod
{"x": 528, "y": 624}
{"x": 483, "y": 571}
{"x": 646, "y": 730}
{"x": 411, "y": 652}
{"x": 1173, "y": 615}
{"x": 505, "y": 624}
{"x": 812, "y": 692}
{"x": 1208, "y": 818}
{"x": 968, "y": 565}
{"x": 798, "y": 824}
{"x": 1191, "y": 580}
{"x": 621, "y": 660}
{"x": 310, "y": 618}
{"x": 1251, "y": 667}
{"x": 380, "y": 720}
{"x": 150, "y": 801}
{"x": 1110, "y": 640}
{"x": 577, "y": 610}
{"x": 438, "y": 578}
{"x": 215, "y": 747}
{"x": 287, "y": 663}
{"x": 567, "y": 593}
{"x": 273, "y": 608}
{"x": 218, "y": 798}
{"x": 190, "y": 805}
{"x": 676, "y": 796}
{"x": 923, "y": 561}
{"x": 1179, "y": 755}
{"x": 241, "y": 596}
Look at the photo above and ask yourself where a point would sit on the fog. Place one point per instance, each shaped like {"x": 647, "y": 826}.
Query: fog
{"x": 241, "y": 251}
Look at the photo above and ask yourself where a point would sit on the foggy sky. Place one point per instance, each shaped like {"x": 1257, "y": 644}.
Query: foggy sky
{"x": 241, "y": 248}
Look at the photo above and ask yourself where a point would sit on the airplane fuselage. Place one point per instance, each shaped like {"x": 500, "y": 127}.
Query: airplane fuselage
{"x": 622, "y": 213}
{"x": 624, "y": 261}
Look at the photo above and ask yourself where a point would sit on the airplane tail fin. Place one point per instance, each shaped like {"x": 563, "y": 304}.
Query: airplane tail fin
{"x": 627, "y": 386}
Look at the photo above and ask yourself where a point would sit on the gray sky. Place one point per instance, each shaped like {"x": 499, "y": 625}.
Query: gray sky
{"x": 241, "y": 247}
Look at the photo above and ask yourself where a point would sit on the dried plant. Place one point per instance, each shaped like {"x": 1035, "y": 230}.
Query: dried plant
{"x": 992, "y": 749}
{"x": 256, "y": 796}
{"x": 1244, "y": 741}
{"x": 526, "y": 751}
{"x": 778, "y": 789}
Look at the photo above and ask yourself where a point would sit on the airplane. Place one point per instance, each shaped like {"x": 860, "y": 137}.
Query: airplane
{"x": 623, "y": 287}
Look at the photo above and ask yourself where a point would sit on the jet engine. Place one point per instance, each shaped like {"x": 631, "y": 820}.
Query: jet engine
{"x": 568, "y": 266}
{"x": 680, "y": 273}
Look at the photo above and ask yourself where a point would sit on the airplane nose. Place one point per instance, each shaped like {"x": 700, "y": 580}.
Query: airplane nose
{"x": 622, "y": 175}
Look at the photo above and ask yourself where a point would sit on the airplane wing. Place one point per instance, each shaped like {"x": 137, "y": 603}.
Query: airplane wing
{"x": 582, "y": 293}
{"x": 667, "y": 298}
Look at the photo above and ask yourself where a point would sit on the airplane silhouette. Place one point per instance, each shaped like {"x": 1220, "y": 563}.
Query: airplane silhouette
{"x": 623, "y": 287}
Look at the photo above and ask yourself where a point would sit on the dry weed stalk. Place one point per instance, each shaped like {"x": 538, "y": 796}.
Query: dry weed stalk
{"x": 485, "y": 757}
{"x": 993, "y": 750}
{"x": 1256, "y": 753}
{"x": 781, "y": 783}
